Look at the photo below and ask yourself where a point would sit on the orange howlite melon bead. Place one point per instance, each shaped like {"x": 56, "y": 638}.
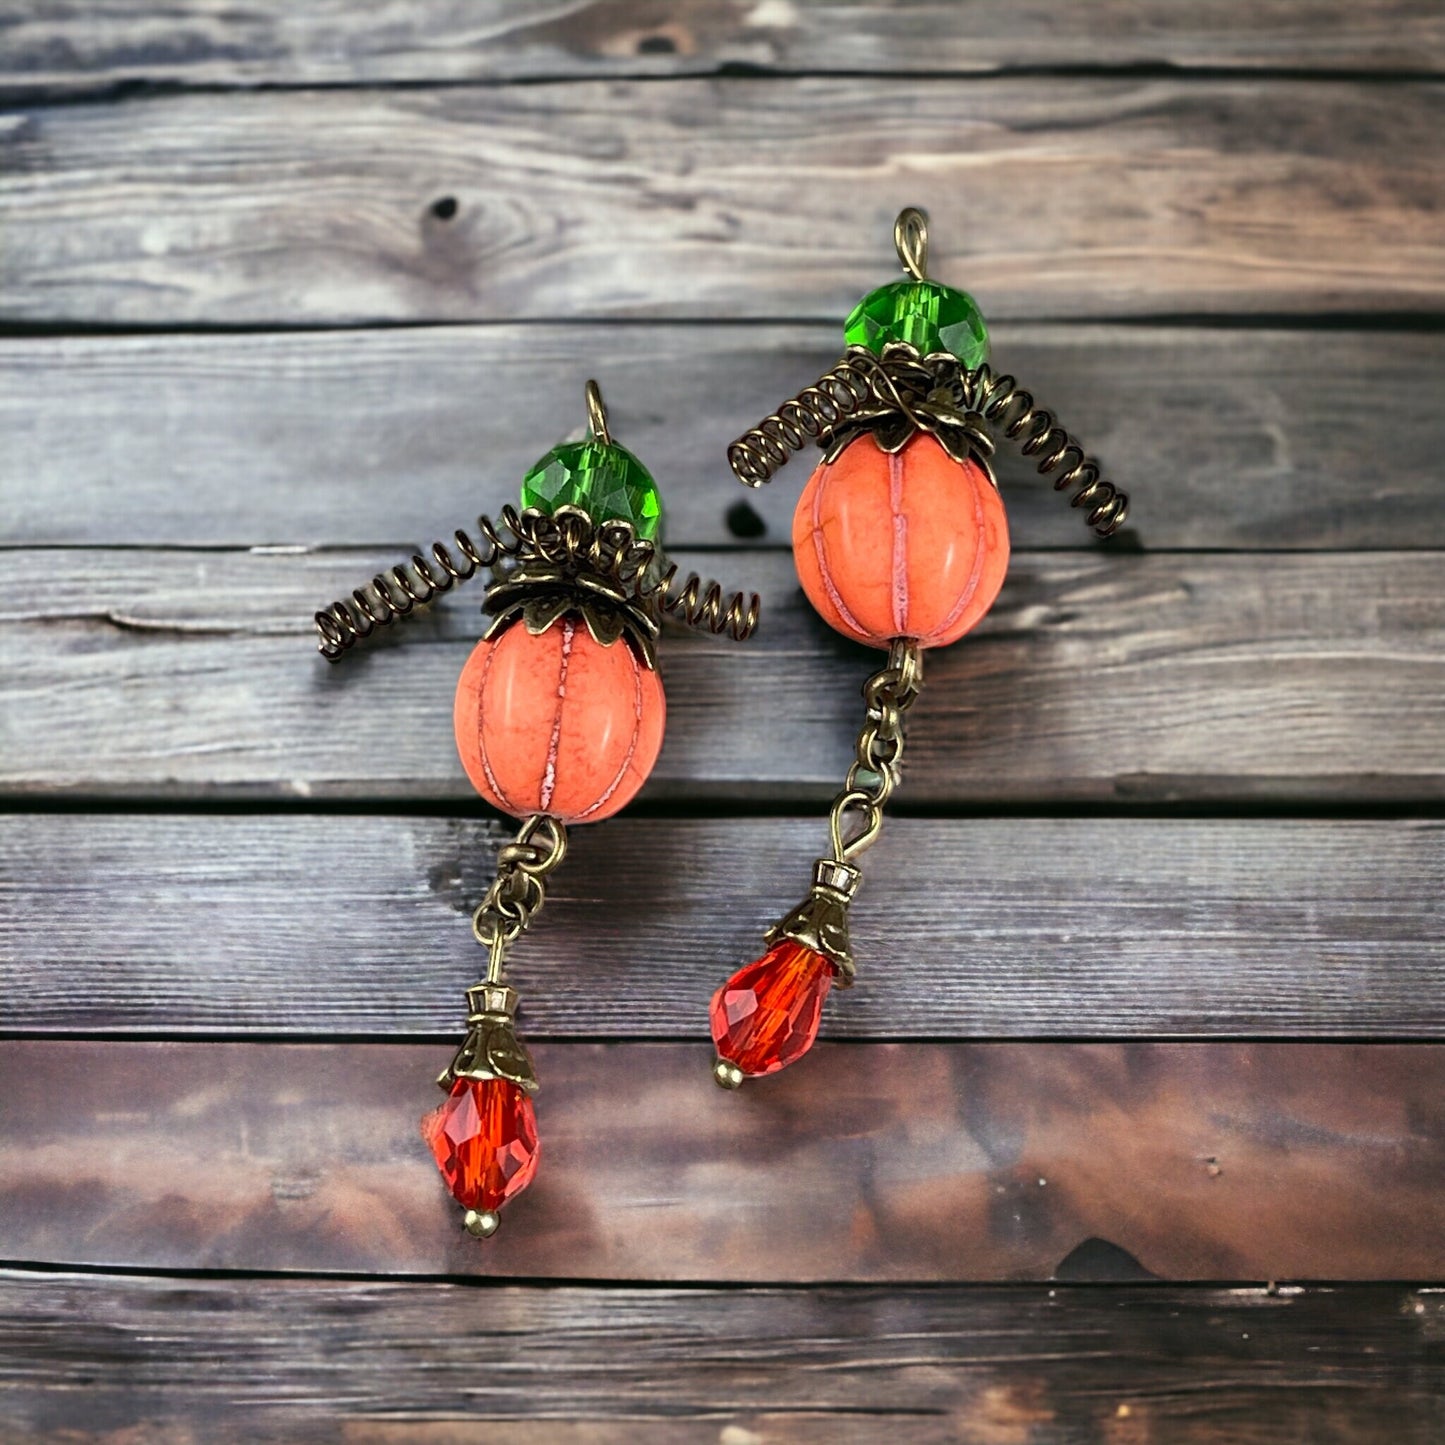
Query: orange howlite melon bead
{"x": 556, "y": 723}
{"x": 909, "y": 545}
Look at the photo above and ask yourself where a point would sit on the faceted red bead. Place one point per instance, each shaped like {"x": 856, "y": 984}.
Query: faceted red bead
{"x": 766, "y": 1015}
{"x": 484, "y": 1138}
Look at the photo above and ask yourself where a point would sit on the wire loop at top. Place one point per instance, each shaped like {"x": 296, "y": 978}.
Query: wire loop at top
{"x": 910, "y": 239}
{"x": 597, "y": 414}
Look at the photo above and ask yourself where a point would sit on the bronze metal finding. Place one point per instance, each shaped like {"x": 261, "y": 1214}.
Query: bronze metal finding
{"x": 915, "y": 393}
{"x": 519, "y": 889}
{"x": 597, "y": 413}
{"x": 491, "y": 1049}
{"x": 581, "y": 570}
{"x": 1005, "y": 404}
{"x": 546, "y": 565}
{"x": 400, "y": 591}
{"x": 608, "y": 558}
{"x": 820, "y": 921}
{"x": 856, "y": 817}
{"x": 910, "y": 240}
{"x": 894, "y": 396}
{"x": 899, "y": 393}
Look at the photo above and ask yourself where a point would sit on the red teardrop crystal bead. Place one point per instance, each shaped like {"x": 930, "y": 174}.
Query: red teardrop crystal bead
{"x": 766, "y": 1015}
{"x": 484, "y": 1139}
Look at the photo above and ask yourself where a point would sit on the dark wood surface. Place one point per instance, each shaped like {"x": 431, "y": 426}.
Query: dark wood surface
{"x": 159, "y": 924}
{"x": 330, "y": 42}
{"x": 878, "y": 1162}
{"x": 400, "y": 435}
{"x": 321, "y": 1360}
{"x": 1186, "y": 785}
{"x": 1100, "y": 676}
{"x": 1102, "y": 197}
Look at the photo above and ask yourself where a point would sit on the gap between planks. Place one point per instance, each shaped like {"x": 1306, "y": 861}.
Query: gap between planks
{"x": 272, "y": 44}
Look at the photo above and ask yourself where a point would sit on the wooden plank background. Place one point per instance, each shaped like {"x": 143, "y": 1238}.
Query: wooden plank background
{"x": 298, "y": 1359}
{"x": 1142, "y": 679}
{"x": 1103, "y": 197}
{"x": 1151, "y": 992}
{"x": 1056, "y": 927}
{"x": 270, "y": 42}
{"x": 892, "y": 1162}
{"x": 199, "y": 439}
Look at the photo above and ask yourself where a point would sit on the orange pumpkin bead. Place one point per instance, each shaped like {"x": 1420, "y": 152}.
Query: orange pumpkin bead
{"x": 912, "y": 544}
{"x": 556, "y": 723}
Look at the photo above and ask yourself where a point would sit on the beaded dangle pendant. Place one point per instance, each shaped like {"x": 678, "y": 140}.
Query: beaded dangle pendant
{"x": 900, "y": 542}
{"x": 559, "y": 717}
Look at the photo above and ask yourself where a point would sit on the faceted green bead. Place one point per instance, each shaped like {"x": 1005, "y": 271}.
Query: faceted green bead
{"x": 602, "y": 478}
{"x": 926, "y": 314}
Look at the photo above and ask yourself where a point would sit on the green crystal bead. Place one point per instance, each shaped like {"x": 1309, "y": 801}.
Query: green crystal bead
{"x": 925, "y": 314}
{"x": 602, "y": 478}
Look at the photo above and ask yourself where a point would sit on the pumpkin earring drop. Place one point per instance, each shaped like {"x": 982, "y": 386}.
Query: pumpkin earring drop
{"x": 900, "y": 542}
{"x": 559, "y": 717}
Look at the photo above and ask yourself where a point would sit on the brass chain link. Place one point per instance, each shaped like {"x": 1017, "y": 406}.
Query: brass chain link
{"x": 878, "y": 758}
{"x": 519, "y": 889}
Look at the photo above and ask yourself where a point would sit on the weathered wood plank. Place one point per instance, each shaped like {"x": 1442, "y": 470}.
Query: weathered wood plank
{"x": 590, "y": 199}
{"x": 203, "y": 42}
{"x": 865, "y": 1162}
{"x": 967, "y": 928}
{"x": 1226, "y": 438}
{"x": 1099, "y": 675}
{"x": 166, "y": 1360}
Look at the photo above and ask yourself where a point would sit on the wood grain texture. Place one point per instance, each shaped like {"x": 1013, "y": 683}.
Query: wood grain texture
{"x": 163, "y": 924}
{"x": 865, "y": 1162}
{"x": 1099, "y": 675}
{"x": 220, "y": 1360}
{"x": 722, "y": 198}
{"x": 1226, "y": 439}
{"x": 204, "y": 42}
{"x": 694, "y": 241}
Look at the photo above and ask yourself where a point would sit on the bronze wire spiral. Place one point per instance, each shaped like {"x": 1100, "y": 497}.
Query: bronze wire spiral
{"x": 704, "y": 605}
{"x": 614, "y": 548}
{"x": 1002, "y": 401}
{"x": 859, "y": 380}
{"x": 844, "y": 389}
{"x": 395, "y": 593}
